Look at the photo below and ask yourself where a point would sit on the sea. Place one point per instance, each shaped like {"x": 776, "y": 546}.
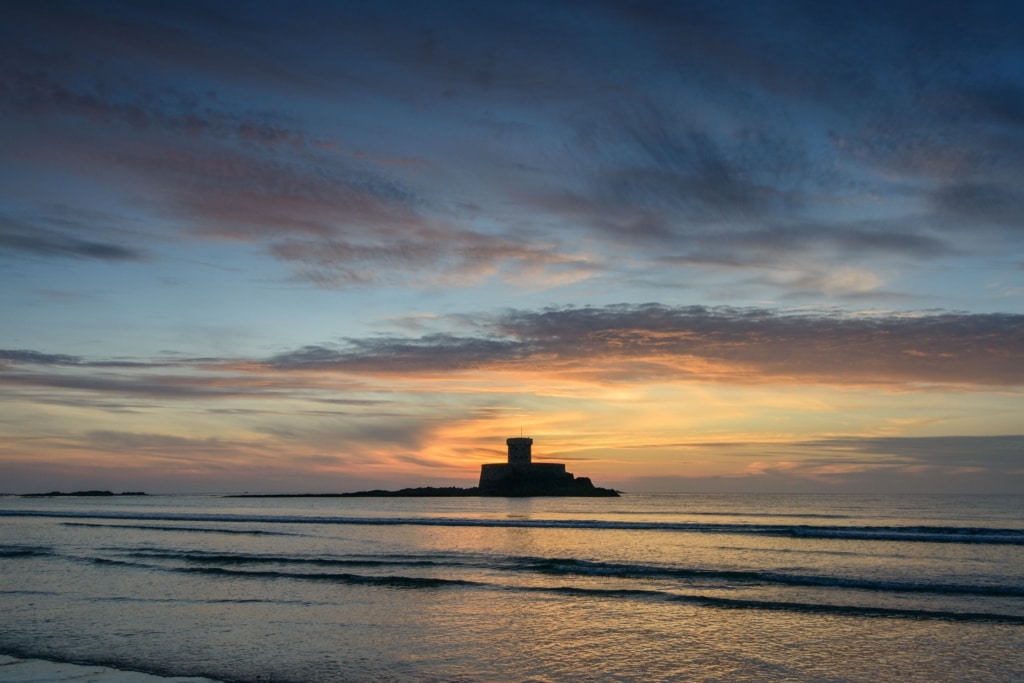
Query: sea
{"x": 637, "y": 588}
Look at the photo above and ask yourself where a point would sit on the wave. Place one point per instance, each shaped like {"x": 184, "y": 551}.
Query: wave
{"x": 571, "y": 567}
{"x": 788, "y": 606}
{"x": 195, "y": 529}
{"x": 712, "y": 513}
{"x": 12, "y": 551}
{"x": 346, "y": 578}
{"x": 207, "y": 557}
{"x": 903, "y": 534}
{"x": 575, "y": 567}
{"x": 930, "y": 534}
{"x": 418, "y": 582}
{"x": 850, "y": 610}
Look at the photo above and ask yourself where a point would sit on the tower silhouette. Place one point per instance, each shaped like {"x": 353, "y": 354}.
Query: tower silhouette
{"x": 519, "y": 451}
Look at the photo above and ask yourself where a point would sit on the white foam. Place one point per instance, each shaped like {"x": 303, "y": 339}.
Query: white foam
{"x": 14, "y": 670}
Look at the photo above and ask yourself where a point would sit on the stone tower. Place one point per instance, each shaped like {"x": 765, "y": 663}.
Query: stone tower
{"x": 519, "y": 454}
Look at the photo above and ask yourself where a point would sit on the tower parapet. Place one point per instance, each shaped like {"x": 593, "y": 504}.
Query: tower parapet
{"x": 519, "y": 451}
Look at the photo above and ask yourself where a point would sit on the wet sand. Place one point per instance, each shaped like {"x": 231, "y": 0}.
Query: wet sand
{"x": 14, "y": 670}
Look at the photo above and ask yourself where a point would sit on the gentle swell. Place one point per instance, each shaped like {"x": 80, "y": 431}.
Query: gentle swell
{"x": 849, "y": 610}
{"x": 193, "y": 529}
{"x": 346, "y": 578}
{"x": 784, "y": 606}
{"x": 571, "y": 567}
{"x": 201, "y": 557}
{"x": 235, "y": 566}
{"x": 24, "y": 551}
{"x": 412, "y": 582}
{"x": 903, "y": 534}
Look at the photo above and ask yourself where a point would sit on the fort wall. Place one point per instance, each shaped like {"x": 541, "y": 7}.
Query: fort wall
{"x": 551, "y": 472}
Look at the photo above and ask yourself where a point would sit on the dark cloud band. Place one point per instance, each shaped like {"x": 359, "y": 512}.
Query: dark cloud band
{"x": 647, "y": 342}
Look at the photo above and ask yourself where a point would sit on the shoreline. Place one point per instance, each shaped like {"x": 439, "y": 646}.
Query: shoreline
{"x": 33, "y": 670}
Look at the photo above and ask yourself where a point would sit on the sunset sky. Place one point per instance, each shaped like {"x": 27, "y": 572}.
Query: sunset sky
{"x": 685, "y": 246}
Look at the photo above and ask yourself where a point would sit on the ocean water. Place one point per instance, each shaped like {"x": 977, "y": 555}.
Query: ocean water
{"x": 638, "y": 588}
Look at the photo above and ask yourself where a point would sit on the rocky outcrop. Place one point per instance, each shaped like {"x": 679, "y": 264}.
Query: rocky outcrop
{"x": 536, "y": 480}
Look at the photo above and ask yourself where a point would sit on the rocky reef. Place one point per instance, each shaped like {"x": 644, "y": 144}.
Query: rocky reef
{"x": 514, "y": 487}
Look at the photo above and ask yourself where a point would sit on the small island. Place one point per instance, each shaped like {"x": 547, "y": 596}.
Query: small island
{"x": 519, "y": 477}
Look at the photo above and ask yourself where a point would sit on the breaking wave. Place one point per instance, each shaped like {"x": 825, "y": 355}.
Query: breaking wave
{"x": 247, "y": 567}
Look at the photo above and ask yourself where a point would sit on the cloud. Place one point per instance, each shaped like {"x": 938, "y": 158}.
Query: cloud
{"x": 643, "y": 343}
{"x": 434, "y": 353}
{"x": 433, "y": 257}
{"x": 651, "y": 133}
{"x": 981, "y": 204}
{"x": 168, "y": 387}
{"x": 21, "y": 237}
{"x": 196, "y": 152}
{"x": 897, "y": 465}
{"x": 178, "y": 447}
{"x": 613, "y": 344}
{"x": 774, "y": 246}
{"x": 168, "y": 38}
{"x": 212, "y": 380}
{"x": 29, "y": 357}
{"x": 1001, "y": 102}
{"x": 1000, "y": 452}
{"x": 656, "y": 172}
{"x": 33, "y": 92}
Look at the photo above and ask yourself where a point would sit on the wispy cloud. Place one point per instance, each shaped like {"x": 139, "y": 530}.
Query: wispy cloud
{"x": 612, "y": 344}
{"x": 659, "y": 343}
{"x": 18, "y": 236}
{"x": 684, "y": 135}
{"x": 897, "y": 465}
{"x": 430, "y": 257}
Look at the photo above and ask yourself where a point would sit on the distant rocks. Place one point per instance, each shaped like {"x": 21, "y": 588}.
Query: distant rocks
{"x": 420, "y": 492}
{"x": 54, "y": 494}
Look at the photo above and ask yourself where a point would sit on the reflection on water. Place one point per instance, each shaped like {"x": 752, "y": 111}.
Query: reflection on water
{"x": 519, "y": 508}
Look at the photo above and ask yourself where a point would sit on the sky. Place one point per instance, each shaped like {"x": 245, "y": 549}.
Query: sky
{"x": 691, "y": 246}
